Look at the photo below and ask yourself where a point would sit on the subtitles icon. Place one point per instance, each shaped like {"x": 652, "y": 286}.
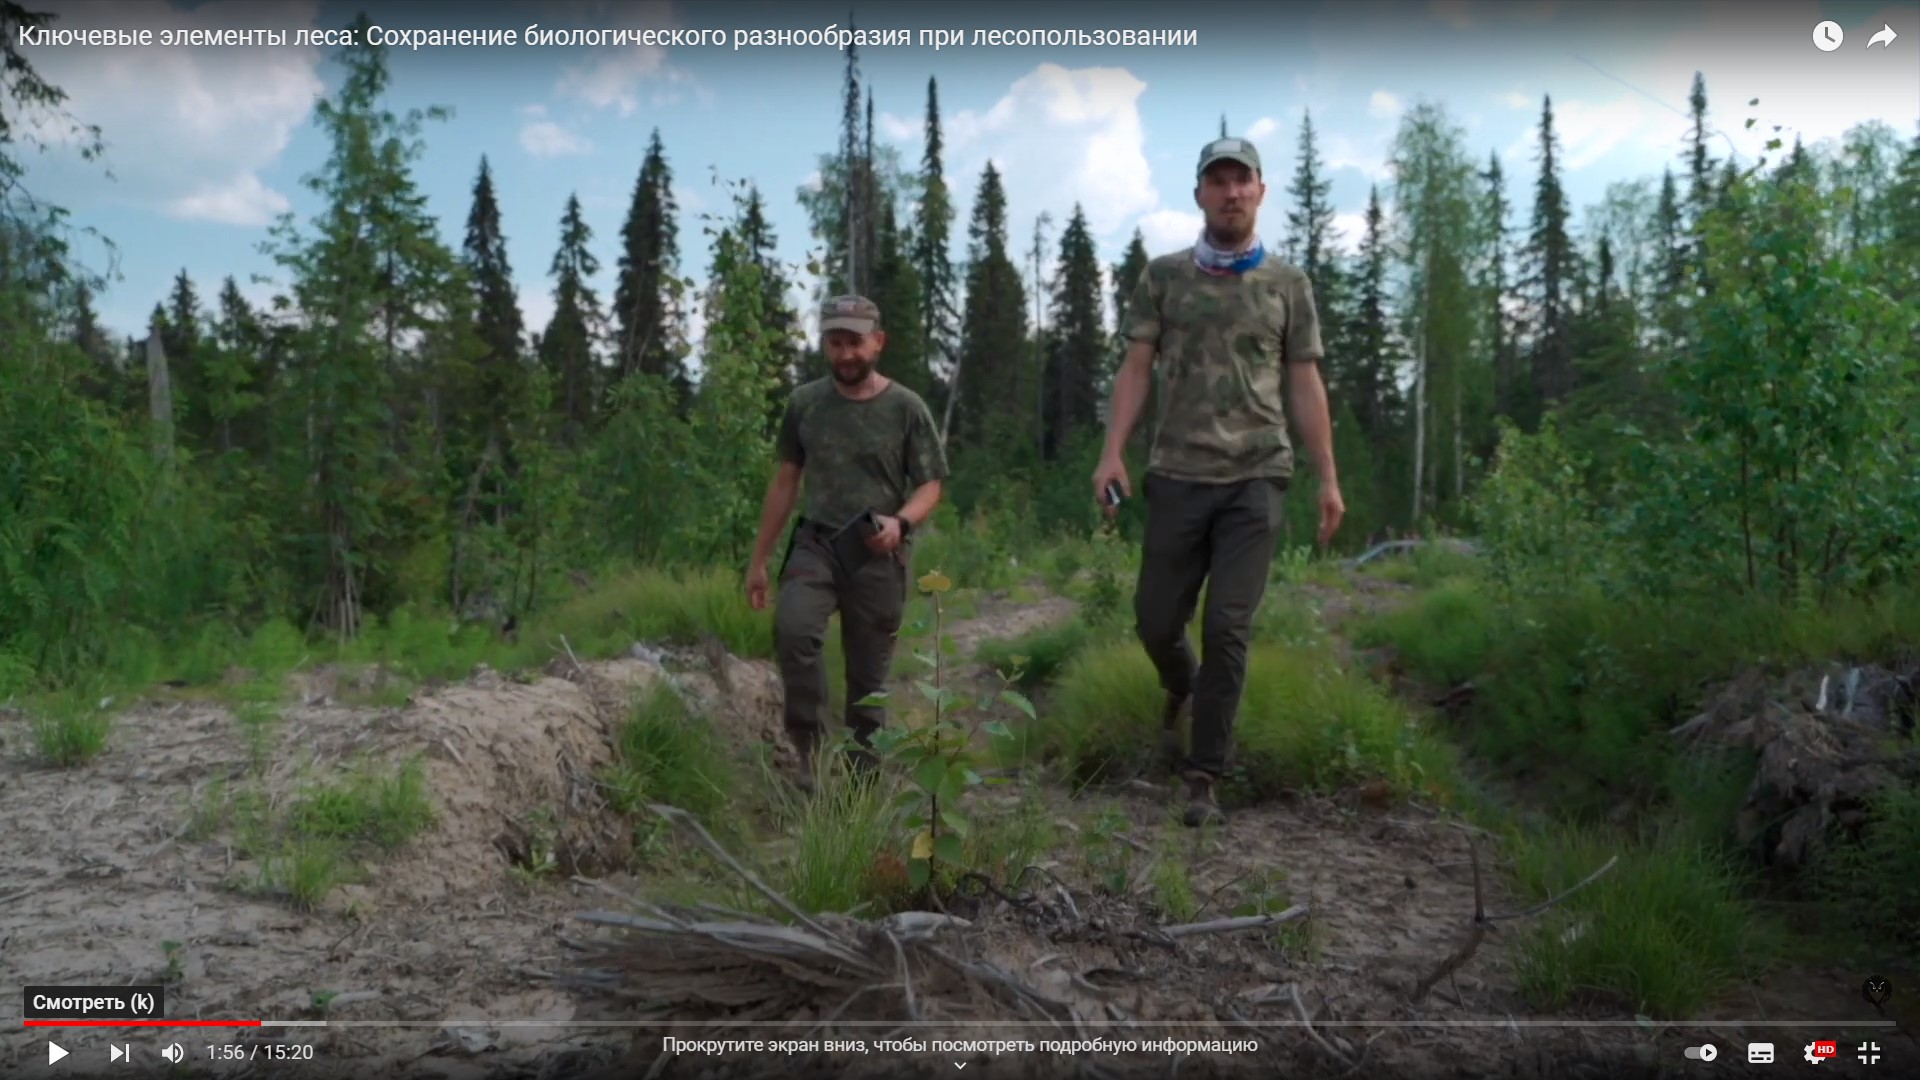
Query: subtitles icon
{"x": 1759, "y": 1053}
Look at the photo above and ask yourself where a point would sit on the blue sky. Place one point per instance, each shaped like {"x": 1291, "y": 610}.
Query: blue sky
{"x": 206, "y": 144}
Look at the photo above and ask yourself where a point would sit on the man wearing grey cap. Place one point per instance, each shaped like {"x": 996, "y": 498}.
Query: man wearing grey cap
{"x": 873, "y": 466}
{"x": 1233, "y": 332}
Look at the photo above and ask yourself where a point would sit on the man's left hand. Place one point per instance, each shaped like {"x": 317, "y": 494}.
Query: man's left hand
{"x": 1332, "y": 509}
{"x": 887, "y": 539}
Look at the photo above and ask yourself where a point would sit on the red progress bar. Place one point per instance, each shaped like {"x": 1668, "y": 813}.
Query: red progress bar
{"x": 142, "y": 1023}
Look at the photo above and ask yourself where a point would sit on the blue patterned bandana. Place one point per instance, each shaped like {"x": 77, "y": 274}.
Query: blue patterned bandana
{"x": 1214, "y": 261}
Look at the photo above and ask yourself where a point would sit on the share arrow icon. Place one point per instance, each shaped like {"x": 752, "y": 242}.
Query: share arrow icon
{"x": 1884, "y": 38}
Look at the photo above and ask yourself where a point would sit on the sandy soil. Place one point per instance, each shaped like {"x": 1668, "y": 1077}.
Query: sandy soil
{"x": 99, "y": 866}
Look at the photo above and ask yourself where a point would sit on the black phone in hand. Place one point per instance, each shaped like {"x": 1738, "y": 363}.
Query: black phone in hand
{"x": 850, "y": 541}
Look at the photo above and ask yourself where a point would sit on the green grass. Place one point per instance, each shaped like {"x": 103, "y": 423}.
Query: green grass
{"x": 971, "y": 552}
{"x": 845, "y": 848}
{"x": 1664, "y": 933}
{"x": 1574, "y": 695}
{"x": 1446, "y": 636}
{"x": 1577, "y": 692}
{"x": 381, "y": 808}
{"x": 667, "y": 753}
{"x": 71, "y": 728}
{"x": 1874, "y": 884}
{"x": 1426, "y": 566}
{"x": 1037, "y": 657}
{"x": 1304, "y": 722}
{"x": 329, "y": 832}
{"x": 413, "y": 645}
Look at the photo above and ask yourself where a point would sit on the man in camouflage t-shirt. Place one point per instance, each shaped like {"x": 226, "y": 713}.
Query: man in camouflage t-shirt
{"x": 1224, "y": 325}
{"x": 873, "y": 465}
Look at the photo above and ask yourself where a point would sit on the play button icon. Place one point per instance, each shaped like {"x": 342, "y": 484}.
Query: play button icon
{"x": 55, "y": 1052}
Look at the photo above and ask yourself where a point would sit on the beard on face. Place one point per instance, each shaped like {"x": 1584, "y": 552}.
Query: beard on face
{"x": 852, "y": 372}
{"x": 1231, "y": 231}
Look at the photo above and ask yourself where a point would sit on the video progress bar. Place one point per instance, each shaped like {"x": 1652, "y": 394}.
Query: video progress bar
{"x": 896, "y": 1025}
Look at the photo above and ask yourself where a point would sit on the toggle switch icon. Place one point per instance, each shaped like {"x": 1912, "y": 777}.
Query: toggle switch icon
{"x": 1706, "y": 1052}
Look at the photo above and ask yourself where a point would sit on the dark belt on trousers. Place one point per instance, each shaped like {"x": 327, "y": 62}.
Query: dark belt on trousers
{"x": 800, "y": 525}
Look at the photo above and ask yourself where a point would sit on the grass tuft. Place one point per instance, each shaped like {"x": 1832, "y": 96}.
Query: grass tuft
{"x": 666, "y": 753}
{"x": 1305, "y": 722}
{"x": 1662, "y": 934}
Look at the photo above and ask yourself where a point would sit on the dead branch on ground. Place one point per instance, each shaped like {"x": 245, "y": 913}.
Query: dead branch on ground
{"x": 1477, "y": 929}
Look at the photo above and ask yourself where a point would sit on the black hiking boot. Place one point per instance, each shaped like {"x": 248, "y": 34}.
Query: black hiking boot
{"x": 1201, "y": 807}
{"x": 804, "y": 744}
{"x": 862, "y": 762}
{"x": 1173, "y": 748}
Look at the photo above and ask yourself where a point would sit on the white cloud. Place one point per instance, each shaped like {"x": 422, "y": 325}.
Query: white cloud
{"x": 611, "y": 76}
{"x": 1743, "y": 53}
{"x": 1514, "y": 99}
{"x": 1385, "y": 105}
{"x": 1167, "y": 231}
{"x": 1587, "y": 132}
{"x": 1058, "y": 137}
{"x": 1367, "y": 154}
{"x": 1262, "y": 128}
{"x": 242, "y": 201}
{"x": 536, "y": 307}
{"x": 1746, "y": 52}
{"x": 187, "y": 129}
{"x": 803, "y": 299}
{"x": 541, "y": 137}
{"x": 696, "y": 328}
{"x": 898, "y": 129}
{"x": 1348, "y": 229}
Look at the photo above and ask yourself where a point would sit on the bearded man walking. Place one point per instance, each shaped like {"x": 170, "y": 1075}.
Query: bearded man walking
{"x": 1226, "y": 325}
{"x": 873, "y": 467}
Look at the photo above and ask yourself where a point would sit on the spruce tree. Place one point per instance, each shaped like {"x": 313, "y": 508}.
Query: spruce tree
{"x": 568, "y": 350}
{"x": 994, "y": 333}
{"x": 647, "y": 311}
{"x": 1077, "y": 343}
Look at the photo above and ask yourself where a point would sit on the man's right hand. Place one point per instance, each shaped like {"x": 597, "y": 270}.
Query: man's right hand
{"x": 757, "y": 586}
{"x": 1112, "y": 470}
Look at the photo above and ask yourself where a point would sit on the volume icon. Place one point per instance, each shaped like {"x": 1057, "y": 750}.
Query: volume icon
{"x": 173, "y": 1053}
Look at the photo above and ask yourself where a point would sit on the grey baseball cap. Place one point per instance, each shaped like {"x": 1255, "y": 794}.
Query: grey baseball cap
{"x": 1239, "y": 150}
{"x": 855, "y": 313}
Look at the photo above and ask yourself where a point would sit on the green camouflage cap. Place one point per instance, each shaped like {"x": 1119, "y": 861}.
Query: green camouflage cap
{"x": 1239, "y": 150}
{"x": 855, "y": 313}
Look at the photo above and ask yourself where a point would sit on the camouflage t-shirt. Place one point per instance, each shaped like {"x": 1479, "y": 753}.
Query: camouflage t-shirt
{"x": 1222, "y": 342}
{"x": 859, "y": 455}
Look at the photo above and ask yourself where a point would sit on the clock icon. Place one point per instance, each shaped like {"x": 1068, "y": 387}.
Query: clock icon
{"x": 1827, "y": 36}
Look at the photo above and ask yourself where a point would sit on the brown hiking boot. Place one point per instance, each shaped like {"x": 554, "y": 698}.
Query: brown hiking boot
{"x": 1173, "y": 748}
{"x": 1201, "y": 808}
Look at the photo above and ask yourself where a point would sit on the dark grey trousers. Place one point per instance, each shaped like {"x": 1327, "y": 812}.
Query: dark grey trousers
{"x": 871, "y": 600}
{"x": 1221, "y": 536}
